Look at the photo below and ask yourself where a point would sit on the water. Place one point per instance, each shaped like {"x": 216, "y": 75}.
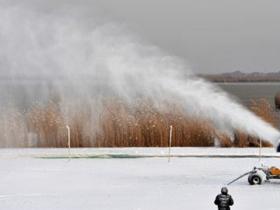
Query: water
{"x": 245, "y": 92}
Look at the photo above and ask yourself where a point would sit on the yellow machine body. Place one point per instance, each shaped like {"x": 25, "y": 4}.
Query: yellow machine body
{"x": 274, "y": 171}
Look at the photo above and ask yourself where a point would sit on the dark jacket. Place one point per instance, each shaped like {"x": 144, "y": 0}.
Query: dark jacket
{"x": 224, "y": 201}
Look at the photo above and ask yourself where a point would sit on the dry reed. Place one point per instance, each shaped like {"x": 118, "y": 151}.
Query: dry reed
{"x": 264, "y": 110}
{"x": 122, "y": 125}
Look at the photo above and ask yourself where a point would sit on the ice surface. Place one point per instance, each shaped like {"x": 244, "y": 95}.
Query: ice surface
{"x": 28, "y": 183}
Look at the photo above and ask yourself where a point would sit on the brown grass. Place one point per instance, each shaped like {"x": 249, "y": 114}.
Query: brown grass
{"x": 224, "y": 139}
{"x": 264, "y": 110}
{"x": 48, "y": 125}
{"x": 145, "y": 126}
{"x": 121, "y": 125}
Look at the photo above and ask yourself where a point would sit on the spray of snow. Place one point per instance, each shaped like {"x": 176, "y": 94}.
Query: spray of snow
{"x": 89, "y": 61}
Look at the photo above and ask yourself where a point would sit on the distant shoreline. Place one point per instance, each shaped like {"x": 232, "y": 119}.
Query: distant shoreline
{"x": 262, "y": 81}
{"x": 240, "y": 77}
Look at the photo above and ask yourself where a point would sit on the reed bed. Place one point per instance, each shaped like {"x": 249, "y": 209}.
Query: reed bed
{"x": 118, "y": 124}
{"x": 264, "y": 110}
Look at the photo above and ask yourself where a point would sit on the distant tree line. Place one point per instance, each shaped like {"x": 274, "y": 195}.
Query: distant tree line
{"x": 238, "y": 76}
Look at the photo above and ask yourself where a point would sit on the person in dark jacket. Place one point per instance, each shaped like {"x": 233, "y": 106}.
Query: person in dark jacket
{"x": 224, "y": 200}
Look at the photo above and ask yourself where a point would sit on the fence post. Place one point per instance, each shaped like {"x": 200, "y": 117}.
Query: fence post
{"x": 68, "y": 140}
{"x": 170, "y": 141}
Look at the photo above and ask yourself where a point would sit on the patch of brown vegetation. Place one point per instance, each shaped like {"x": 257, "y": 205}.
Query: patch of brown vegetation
{"x": 264, "y": 110}
{"x": 145, "y": 126}
{"x": 121, "y": 125}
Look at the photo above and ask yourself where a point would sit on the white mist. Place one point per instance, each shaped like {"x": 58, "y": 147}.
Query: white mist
{"x": 85, "y": 62}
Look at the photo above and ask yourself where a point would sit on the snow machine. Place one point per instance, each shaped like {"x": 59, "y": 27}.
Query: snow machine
{"x": 260, "y": 174}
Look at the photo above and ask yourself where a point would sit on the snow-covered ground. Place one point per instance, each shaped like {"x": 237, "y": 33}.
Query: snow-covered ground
{"x": 138, "y": 182}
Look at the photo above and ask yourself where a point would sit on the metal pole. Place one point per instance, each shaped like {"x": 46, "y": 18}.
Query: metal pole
{"x": 170, "y": 141}
{"x": 68, "y": 140}
{"x": 260, "y": 150}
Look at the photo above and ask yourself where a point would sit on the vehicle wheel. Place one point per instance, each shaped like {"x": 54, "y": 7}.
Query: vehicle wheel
{"x": 254, "y": 179}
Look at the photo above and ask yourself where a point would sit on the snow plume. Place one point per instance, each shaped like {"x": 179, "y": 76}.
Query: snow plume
{"x": 82, "y": 62}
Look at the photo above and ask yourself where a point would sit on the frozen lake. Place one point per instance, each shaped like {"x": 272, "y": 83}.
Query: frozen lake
{"x": 28, "y": 182}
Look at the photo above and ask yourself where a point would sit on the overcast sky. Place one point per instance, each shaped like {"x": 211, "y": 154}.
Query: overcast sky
{"x": 210, "y": 35}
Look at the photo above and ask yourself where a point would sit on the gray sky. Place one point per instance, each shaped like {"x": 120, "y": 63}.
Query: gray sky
{"x": 211, "y": 35}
